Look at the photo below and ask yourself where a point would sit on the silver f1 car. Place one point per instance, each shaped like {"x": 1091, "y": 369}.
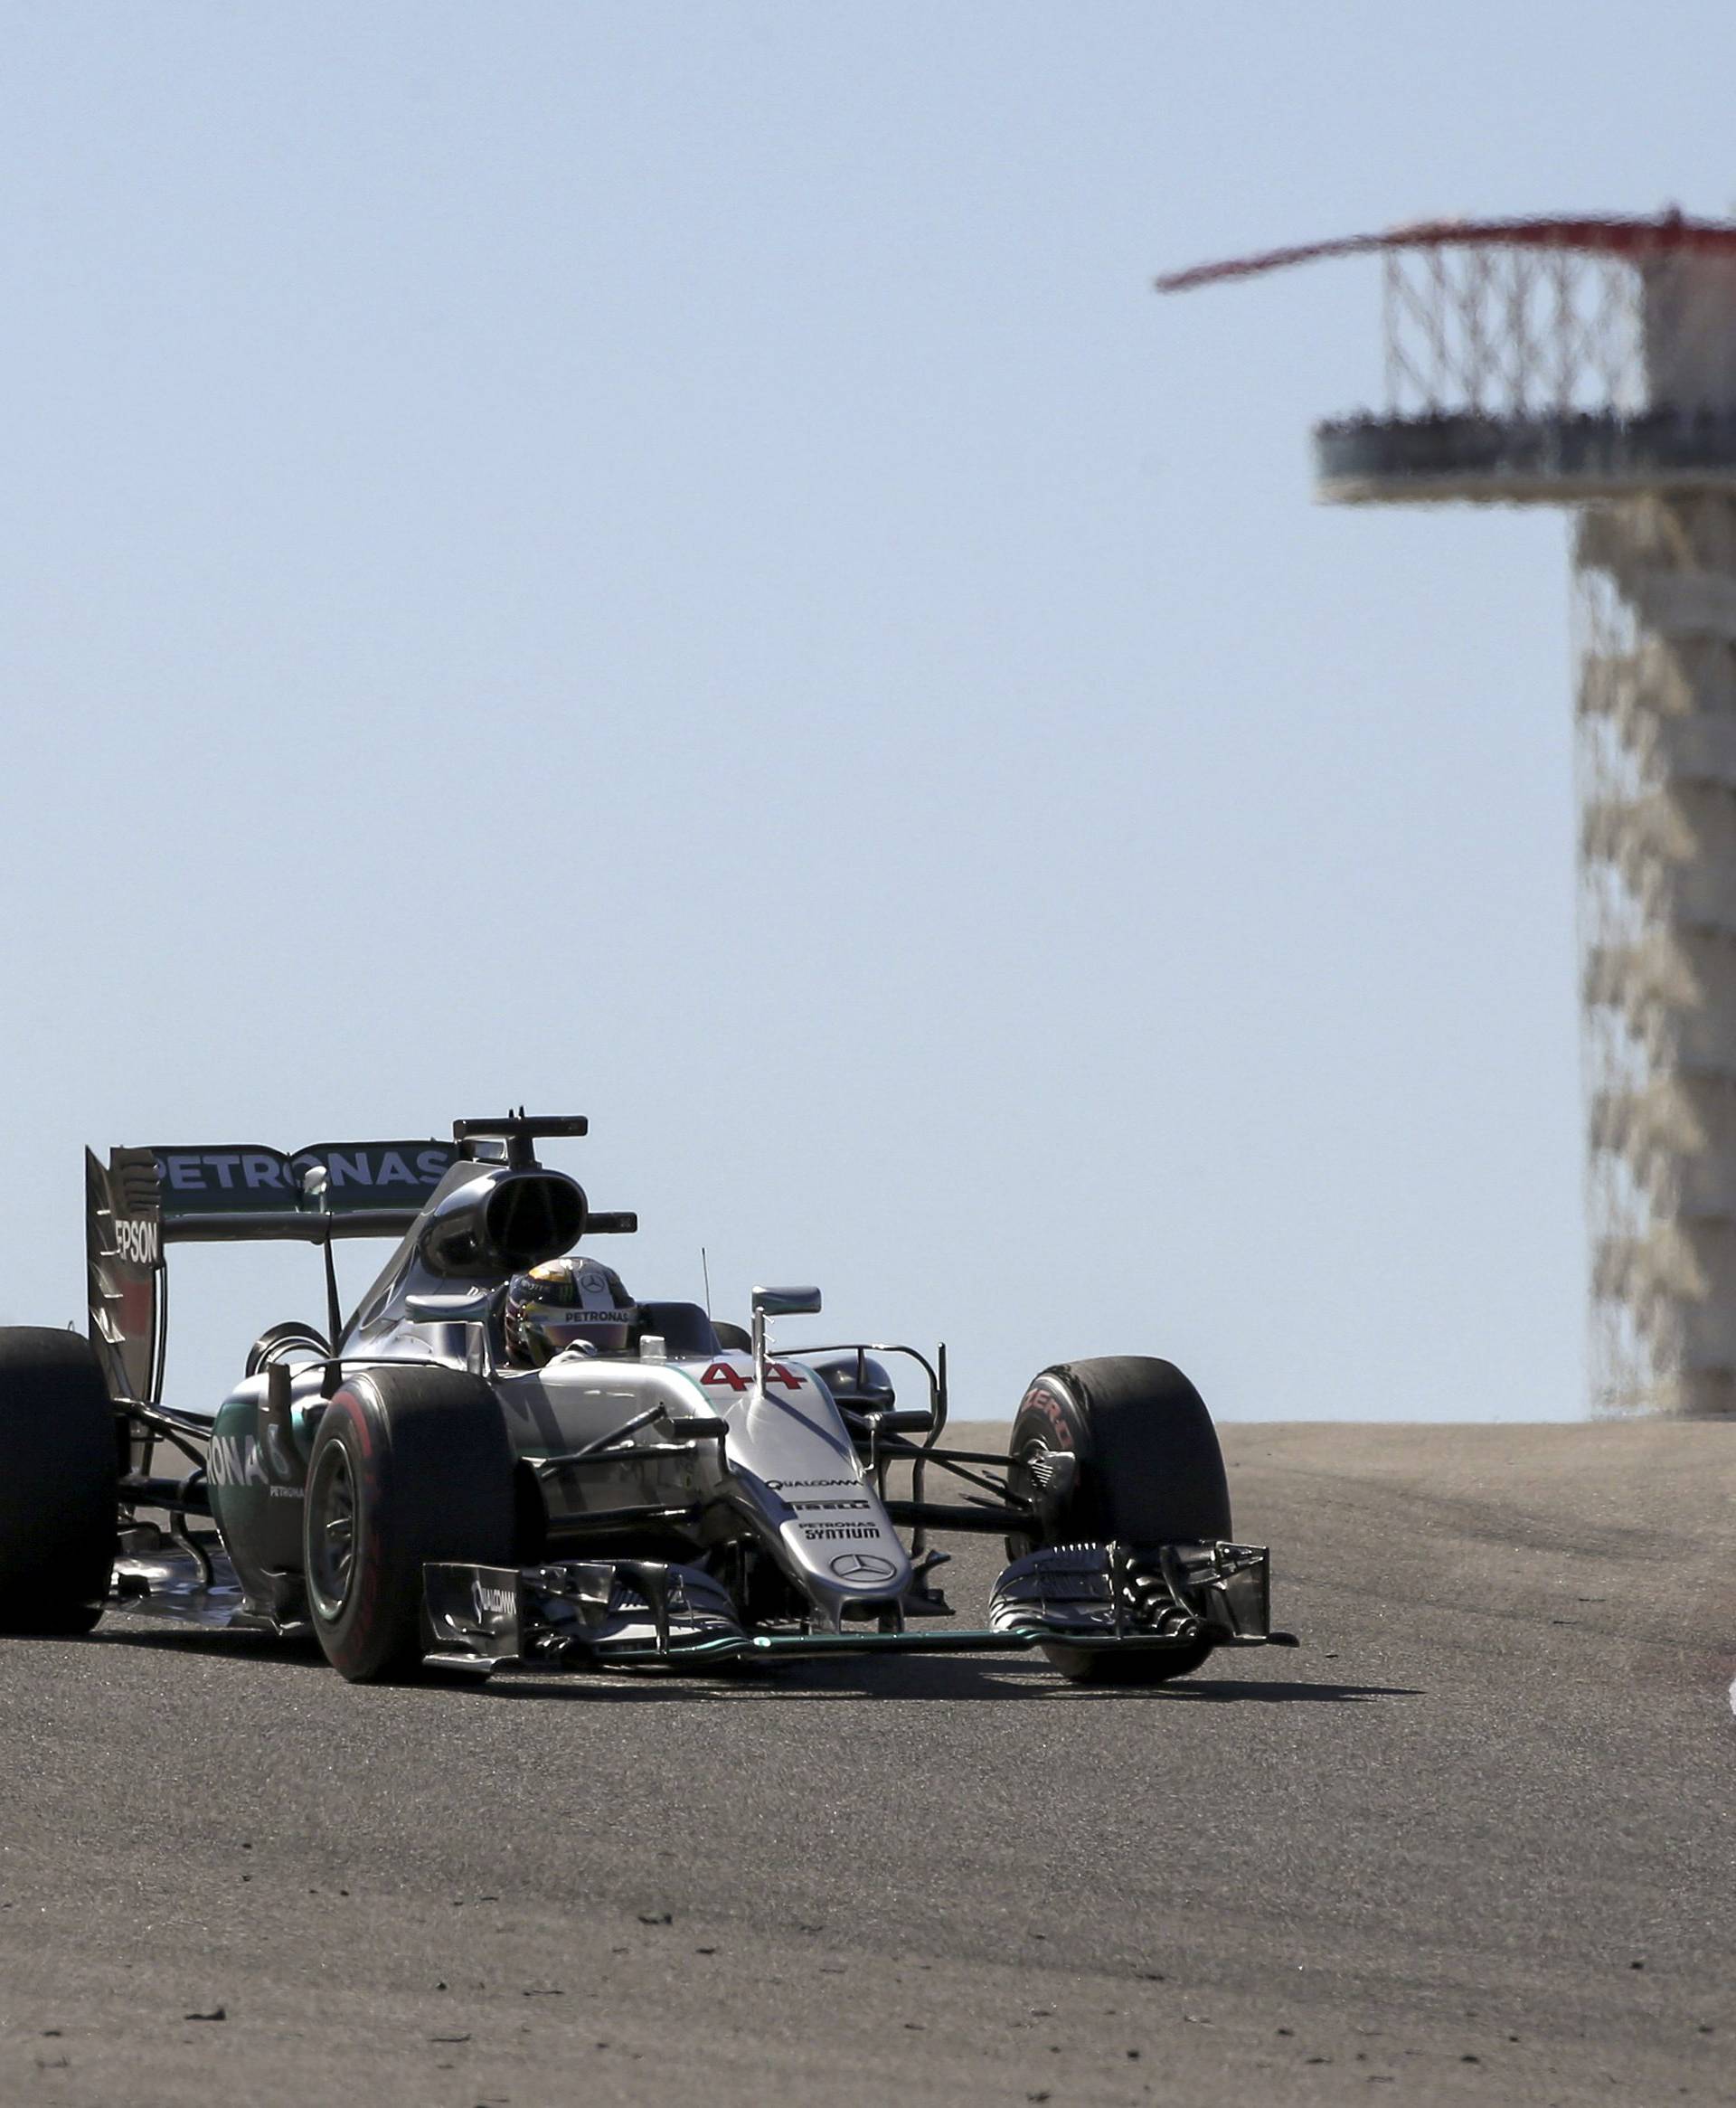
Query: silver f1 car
{"x": 660, "y": 1490}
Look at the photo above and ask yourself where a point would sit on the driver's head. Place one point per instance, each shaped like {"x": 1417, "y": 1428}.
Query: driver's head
{"x": 569, "y": 1302}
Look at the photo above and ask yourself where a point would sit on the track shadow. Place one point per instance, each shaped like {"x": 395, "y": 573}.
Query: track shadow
{"x": 935, "y": 1680}
{"x": 1237, "y": 1692}
{"x": 177, "y": 1638}
{"x": 1013, "y": 1678}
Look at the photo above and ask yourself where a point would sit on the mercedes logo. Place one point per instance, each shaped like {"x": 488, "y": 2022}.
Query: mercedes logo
{"x": 863, "y": 1566}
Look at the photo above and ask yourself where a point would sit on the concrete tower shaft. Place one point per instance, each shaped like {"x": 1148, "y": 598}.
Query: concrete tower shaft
{"x": 1591, "y": 364}
{"x": 1657, "y": 743}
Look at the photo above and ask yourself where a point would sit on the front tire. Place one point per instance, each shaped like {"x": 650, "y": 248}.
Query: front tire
{"x": 60, "y": 1461}
{"x": 1147, "y": 1470}
{"x": 409, "y": 1465}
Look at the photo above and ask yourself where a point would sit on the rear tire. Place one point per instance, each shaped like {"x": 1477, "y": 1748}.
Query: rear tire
{"x": 59, "y": 1461}
{"x": 1148, "y": 1471}
{"x": 408, "y": 1465}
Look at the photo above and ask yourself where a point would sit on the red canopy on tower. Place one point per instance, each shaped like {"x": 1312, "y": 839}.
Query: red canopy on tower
{"x": 1590, "y": 236}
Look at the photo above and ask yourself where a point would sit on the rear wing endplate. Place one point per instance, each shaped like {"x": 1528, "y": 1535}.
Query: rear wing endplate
{"x": 123, "y": 1248}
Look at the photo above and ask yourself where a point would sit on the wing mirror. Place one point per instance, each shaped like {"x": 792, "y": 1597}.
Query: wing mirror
{"x": 786, "y": 1302}
{"x": 776, "y": 1302}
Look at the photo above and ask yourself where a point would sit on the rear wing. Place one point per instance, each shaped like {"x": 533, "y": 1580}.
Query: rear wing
{"x": 372, "y": 1189}
{"x": 145, "y": 1199}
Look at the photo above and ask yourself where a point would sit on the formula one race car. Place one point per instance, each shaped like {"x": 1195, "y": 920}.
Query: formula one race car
{"x": 500, "y": 1459}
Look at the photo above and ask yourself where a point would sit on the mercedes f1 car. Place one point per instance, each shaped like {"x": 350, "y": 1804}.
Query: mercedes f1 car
{"x": 657, "y": 1490}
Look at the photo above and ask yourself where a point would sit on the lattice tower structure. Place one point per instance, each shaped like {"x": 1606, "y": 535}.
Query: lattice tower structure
{"x": 1591, "y": 363}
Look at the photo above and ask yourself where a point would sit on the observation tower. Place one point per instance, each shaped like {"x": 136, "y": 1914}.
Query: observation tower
{"x": 1591, "y": 364}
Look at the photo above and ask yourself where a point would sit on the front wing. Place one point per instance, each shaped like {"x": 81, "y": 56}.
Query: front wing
{"x": 597, "y": 1614}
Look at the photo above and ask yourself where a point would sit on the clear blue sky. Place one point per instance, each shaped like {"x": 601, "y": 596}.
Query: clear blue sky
{"x": 665, "y": 561}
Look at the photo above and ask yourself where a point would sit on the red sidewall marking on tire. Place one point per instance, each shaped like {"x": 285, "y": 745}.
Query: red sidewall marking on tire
{"x": 1045, "y": 1406}
{"x": 357, "y": 1419}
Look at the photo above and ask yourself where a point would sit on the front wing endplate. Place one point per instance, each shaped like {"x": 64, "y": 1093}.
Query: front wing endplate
{"x": 1123, "y": 1595}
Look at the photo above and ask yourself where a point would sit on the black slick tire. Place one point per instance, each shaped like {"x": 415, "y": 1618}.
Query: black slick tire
{"x": 408, "y": 1465}
{"x": 1148, "y": 1471}
{"x": 58, "y": 1465}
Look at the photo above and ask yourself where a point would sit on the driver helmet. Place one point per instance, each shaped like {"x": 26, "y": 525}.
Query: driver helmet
{"x": 566, "y": 1303}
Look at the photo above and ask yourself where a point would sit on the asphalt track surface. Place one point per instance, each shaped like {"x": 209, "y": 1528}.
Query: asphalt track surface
{"x": 1474, "y": 1842}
